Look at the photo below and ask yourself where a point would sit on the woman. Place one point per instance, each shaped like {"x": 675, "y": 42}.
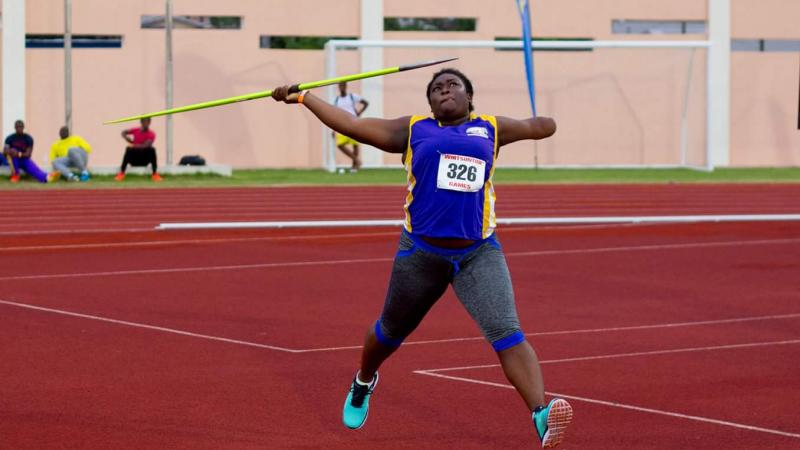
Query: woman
{"x": 448, "y": 236}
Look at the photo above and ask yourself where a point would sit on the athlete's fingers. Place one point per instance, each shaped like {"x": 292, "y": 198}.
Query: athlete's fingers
{"x": 281, "y": 94}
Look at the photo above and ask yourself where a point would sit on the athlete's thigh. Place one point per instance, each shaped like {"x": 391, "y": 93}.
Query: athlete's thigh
{"x": 483, "y": 285}
{"x": 418, "y": 280}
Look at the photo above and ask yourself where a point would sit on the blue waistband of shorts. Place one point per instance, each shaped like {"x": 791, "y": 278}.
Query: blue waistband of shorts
{"x": 424, "y": 245}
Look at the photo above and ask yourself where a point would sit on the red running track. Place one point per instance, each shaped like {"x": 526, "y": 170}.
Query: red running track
{"x": 662, "y": 336}
{"x": 142, "y": 209}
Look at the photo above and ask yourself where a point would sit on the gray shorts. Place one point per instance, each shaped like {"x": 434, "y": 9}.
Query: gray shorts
{"x": 480, "y": 279}
{"x": 76, "y": 158}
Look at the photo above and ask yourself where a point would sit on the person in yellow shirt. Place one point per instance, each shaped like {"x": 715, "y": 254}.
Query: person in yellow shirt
{"x": 68, "y": 153}
{"x": 355, "y": 105}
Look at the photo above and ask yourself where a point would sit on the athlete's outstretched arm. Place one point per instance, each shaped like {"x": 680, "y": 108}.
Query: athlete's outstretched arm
{"x": 388, "y": 135}
{"x": 513, "y": 130}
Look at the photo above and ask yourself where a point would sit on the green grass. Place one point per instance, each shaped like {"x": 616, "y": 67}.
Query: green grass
{"x": 271, "y": 177}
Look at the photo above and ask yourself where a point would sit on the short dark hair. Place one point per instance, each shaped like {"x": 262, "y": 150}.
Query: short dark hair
{"x": 461, "y": 76}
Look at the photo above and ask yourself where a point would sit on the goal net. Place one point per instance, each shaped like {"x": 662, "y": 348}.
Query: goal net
{"x": 618, "y": 104}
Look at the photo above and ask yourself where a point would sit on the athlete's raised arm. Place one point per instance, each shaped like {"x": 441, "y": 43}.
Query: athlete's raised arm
{"x": 512, "y": 130}
{"x": 389, "y": 135}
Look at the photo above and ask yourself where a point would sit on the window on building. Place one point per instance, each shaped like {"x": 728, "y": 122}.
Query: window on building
{"x": 298, "y": 42}
{"x": 78, "y": 41}
{"x": 429, "y": 23}
{"x": 625, "y": 26}
{"x": 193, "y": 22}
{"x": 546, "y": 39}
{"x": 765, "y": 45}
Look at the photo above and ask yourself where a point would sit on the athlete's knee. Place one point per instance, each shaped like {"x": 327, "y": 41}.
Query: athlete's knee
{"x": 505, "y": 340}
{"x": 387, "y": 336}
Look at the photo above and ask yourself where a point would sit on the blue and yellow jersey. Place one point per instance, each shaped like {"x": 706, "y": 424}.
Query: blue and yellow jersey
{"x": 449, "y": 171}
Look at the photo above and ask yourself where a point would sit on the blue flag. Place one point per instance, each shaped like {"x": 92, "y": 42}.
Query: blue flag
{"x": 525, "y": 17}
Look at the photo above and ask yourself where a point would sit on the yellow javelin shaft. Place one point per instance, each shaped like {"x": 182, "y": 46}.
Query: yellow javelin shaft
{"x": 293, "y": 88}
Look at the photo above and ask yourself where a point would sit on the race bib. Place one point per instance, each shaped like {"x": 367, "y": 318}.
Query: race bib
{"x": 460, "y": 173}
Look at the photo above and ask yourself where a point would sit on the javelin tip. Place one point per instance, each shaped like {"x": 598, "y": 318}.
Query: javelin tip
{"x": 424, "y": 64}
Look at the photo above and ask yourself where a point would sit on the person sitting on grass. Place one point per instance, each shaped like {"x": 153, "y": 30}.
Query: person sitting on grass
{"x": 17, "y": 150}
{"x": 67, "y": 153}
{"x": 140, "y": 152}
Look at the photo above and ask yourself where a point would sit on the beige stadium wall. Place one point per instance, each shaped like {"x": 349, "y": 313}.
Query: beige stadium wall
{"x": 602, "y": 100}
{"x": 764, "y": 86}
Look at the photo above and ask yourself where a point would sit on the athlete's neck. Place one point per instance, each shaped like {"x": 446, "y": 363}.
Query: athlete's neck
{"x": 448, "y": 122}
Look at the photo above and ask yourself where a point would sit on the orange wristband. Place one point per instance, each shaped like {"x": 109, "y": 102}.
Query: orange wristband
{"x": 302, "y": 96}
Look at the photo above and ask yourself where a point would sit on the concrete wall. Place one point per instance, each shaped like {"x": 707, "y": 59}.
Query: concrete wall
{"x": 613, "y": 107}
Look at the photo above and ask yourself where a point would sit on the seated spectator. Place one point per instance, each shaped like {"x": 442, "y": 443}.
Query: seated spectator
{"x": 70, "y": 152}
{"x": 17, "y": 150}
{"x": 141, "y": 151}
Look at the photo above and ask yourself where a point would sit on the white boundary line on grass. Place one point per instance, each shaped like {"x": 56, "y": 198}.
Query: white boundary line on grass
{"x": 435, "y": 373}
{"x": 388, "y": 259}
{"x": 507, "y": 221}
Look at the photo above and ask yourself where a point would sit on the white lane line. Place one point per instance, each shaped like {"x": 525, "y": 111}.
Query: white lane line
{"x": 506, "y": 230}
{"x": 192, "y": 241}
{"x": 503, "y": 221}
{"x": 145, "y": 326}
{"x": 632, "y": 354}
{"x": 373, "y": 260}
{"x": 582, "y": 331}
{"x": 625, "y": 406}
{"x": 48, "y": 231}
{"x": 284, "y": 349}
{"x": 678, "y": 415}
{"x": 659, "y": 247}
{"x": 195, "y": 269}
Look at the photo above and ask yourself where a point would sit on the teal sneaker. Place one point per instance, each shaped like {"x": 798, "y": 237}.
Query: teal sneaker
{"x": 85, "y": 176}
{"x": 551, "y": 422}
{"x": 356, "y": 407}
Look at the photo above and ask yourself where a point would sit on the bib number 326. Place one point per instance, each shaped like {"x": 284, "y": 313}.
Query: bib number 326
{"x": 460, "y": 173}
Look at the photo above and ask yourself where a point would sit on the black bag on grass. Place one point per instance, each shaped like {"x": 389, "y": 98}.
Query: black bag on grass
{"x": 192, "y": 160}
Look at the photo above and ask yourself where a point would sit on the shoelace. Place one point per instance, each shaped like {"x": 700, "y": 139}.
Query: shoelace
{"x": 359, "y": 394}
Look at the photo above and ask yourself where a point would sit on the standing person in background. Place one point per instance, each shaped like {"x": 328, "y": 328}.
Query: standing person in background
{"x": 355, "y": 105}
{"x": 70, "y": 152}
{"x": 448, "y": 237}
{"x": 18, "y": 149}
{"x": 140, "y": 152}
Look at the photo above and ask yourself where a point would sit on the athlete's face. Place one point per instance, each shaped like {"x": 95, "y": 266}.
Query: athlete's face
{"x": 448, "y": 97}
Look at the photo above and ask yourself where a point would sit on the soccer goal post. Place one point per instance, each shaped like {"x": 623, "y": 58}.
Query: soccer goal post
{"x": 618, "y": 104}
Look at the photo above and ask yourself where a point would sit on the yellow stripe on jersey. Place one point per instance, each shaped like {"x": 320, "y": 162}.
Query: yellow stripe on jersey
{"x": 407, "y": 159}
{"x": 489, "y": 217}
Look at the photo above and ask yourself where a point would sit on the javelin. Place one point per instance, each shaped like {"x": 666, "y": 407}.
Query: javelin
{"x": 292, "y": 89}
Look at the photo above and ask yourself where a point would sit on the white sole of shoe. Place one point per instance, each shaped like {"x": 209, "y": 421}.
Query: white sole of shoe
{"x": 557, "y": 421}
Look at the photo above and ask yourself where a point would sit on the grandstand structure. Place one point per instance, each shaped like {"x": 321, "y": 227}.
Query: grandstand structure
{"x": 729, "y": 101}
